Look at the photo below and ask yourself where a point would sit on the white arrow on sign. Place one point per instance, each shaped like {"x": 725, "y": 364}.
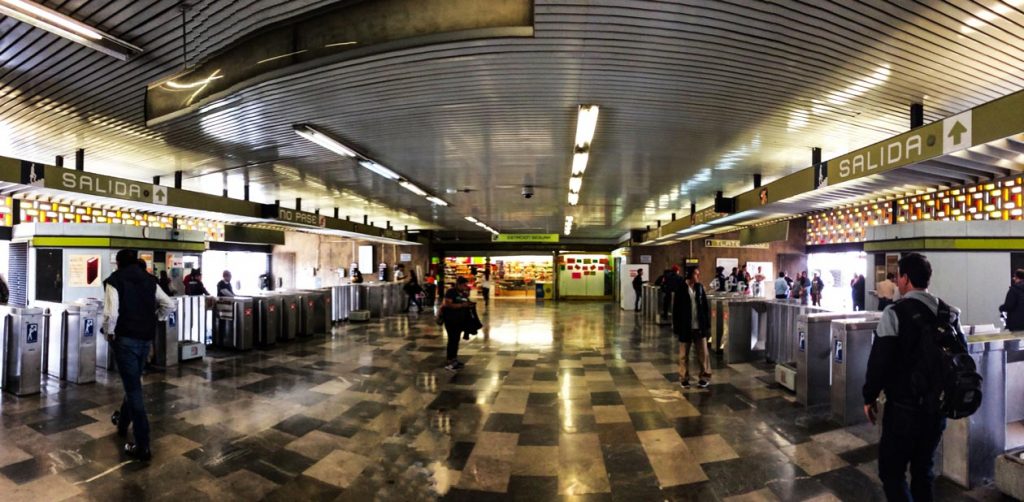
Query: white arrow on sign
{"x": 956, "y": 132}
{"x": 159, "y": 194}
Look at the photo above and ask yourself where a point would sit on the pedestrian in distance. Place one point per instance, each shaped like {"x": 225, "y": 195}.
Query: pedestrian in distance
{"x": 224, "y": 288}
{"x": 817, "y": 286}
{"x": 133, "y": 303}
{"x": 1013, "y": 306}
{"x": 886, "y": 291}
{"x": 781, "y": 287}
{"x": 691, "y": 322}
{"x": 638, "y": 285}
{"x": 413, "y": 290}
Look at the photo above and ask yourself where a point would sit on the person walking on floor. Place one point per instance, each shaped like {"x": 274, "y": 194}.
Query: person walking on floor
{"x": 638, "y": 285}
{"x": 857, "y": 291}
{"x": 1013, "y": 306}
{"x": 886, "y": 291}
{"x": 691, "y": 322}
{"x": 133, "y": 303}
{"x": 413, "y": 290}
{"x": 485, "y": 288}
{"x": 912, "y": 424}
{"x": 455, "y": 315}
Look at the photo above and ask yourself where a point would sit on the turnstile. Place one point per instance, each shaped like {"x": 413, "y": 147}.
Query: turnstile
{"x": 291, "y": 312}
{"x": 375, "y": 298}
{"x": 340, "y": 302}
{"x": 719, "y": 319}
{"x": 71, "y": 349}
{"x": 192, "y": 326}
{"x": 814, "y": 345}
{"x": 851, "y": 347}
{"x": 165, "y": 345}
{"x": 22, "y": 346}
{"x": 268, "y": 319}
{"x": 234, "y": 323}
{"x": 316, "y": 314}
{"x": 739, "y": 335}
{"x": 358, "y": 295}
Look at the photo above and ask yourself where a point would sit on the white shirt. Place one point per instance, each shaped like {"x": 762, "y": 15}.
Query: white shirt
{"x": 693, "y": 308}
{"x": 111, "y": 304}
{"x": 886, "y": 289}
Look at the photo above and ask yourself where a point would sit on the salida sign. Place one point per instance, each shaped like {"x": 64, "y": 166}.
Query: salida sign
{"x": 104, "y": 186}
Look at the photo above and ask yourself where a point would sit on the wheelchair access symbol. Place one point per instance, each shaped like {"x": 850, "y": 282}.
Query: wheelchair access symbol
{"x": 803, "y": 341}
{"x": 90, "y": 328}
{"x": 172, "y": 320}
{"x": 839, "y": 351}
{"x": 31, "y": 333}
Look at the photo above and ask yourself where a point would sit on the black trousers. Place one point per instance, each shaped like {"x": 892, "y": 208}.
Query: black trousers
{"x": 884, "y": 302}
{"x": 454, "y": 331}
{"x": 637, "y": 294}
{"x": 909, "y": 436}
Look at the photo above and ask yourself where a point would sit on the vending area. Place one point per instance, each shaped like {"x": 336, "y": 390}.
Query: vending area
{"x": 512, "y": 276}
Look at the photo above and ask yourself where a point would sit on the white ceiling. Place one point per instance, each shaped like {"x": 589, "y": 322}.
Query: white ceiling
{"x": 695, "y": 96}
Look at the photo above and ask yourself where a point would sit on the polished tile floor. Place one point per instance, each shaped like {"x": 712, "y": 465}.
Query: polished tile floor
{"x": 574, "y": 402}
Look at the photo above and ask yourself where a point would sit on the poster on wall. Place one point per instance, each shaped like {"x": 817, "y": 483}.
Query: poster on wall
{"x": 727, "y": 263}
{"x": 84, "y": 270}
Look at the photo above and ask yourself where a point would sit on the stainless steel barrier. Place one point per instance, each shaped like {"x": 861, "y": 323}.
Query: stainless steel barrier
{"x": 234, "y": 323}
{"x": 971, "y": 446}
{"x": 781, "y": 341}
{"x": 739, "y": 336}
{"x": 318, "y": 311}
{"x": 269, "y": 310}
{"x": 358, "y": 297}
{"x": 375, "y": 300}
{"x": 165, "y": 345}
{"x": 291, "y": 312}
{"x": 814, "y": 345}
{"x": 341, "y": 302}
{"x": 71, "y": 342}
{"x": 193, "y": 324}
{"x": 22, "y": 345}
{"x": 851, "y": 346}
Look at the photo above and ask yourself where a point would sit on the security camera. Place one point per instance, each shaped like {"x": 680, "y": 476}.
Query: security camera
{"x": 528, "y": 192}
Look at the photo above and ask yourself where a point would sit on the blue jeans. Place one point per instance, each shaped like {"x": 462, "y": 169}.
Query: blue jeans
{"x": 131, "y": 354}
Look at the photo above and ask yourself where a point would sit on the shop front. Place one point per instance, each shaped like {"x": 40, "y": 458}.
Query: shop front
{"x": 516, "y": 276}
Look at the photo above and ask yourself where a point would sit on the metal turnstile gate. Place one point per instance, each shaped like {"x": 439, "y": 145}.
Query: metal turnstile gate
{"x": 71, "y": 347}
{"x": 234, "y": 325}
{"x": 22, "y": 347}
{"x": 268, "y": 319}
{"x": 291, "y": 311}
{"x": 165, "y": 345}
{"x": 851, "y": 347}
{"x": 192, "y": 327}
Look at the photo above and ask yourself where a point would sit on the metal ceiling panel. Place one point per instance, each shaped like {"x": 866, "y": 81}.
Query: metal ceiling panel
{"x": 695, "y": 97}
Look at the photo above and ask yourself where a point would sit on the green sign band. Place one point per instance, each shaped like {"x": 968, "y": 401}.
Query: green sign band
{"x": 525, "y": 238}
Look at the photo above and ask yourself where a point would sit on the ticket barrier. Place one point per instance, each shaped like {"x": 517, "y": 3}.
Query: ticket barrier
{"x": 358, "y": 296}
{"x": 71, "y": 339}
{"x": 742, "y": 320}
{"x": 291, "y": 311}
{"x": 972, "y": 446}
{"x": 316, "y": 313}
{"x": 781, "y": 340}
{"x": 193, "y": 324}
{"x": 851, "y": 347}
{"x": 814, "y": 345}
{"x": 396, "y": 300}
{"x": 661, "y": 314}
{"x": 165, "y": 345}
{"x": 341, "y": 302}
{"x": 375, "y": 300}
{"x": 22, "y": 350}
{"x": 268, "y": 312}
{"x": 234, "y": 323}
{"x": 719, "y": 319}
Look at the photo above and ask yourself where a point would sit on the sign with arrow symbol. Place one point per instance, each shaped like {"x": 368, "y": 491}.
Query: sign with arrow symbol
{"x": 159, "y": 194}
{"x": 956, "y": 132}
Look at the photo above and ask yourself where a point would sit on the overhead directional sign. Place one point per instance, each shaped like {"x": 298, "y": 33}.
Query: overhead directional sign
{"x": 159, "y": 194}
{"x": 97, "y": 184}
{"x": 525, "y": 238}
{"x": 300, "y": 217}
{"x": 956, "y": 132}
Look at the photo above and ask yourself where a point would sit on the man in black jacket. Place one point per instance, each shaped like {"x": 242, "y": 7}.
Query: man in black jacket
{"x": 691, "y": 322}
{"x": 133, "y": 303}
{"x": 911, "y": 430}
{"x": 1013, "y": 306}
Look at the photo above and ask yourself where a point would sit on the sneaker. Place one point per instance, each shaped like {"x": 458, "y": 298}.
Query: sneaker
{"x": 702, "y": 383}
{"x": 465, "y": 336}
{"x": 685, "y": 384}
{"x": 459, "y": 364}
{"x": 133, "y": 450}
{"x": 451, "y": 367}
{"x": 115, "y": 419}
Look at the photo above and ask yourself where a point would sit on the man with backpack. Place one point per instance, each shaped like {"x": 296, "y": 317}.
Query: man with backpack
{"x": 919, "y": 358}
{"x": 1013, "y": 307}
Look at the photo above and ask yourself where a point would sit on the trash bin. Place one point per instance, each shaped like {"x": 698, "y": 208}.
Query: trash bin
{"x": 22, "y": 345}
{"x": 851, "y": 346}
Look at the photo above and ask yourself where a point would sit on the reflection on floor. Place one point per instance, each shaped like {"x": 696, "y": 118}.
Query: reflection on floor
{"x": 573, "y": 402}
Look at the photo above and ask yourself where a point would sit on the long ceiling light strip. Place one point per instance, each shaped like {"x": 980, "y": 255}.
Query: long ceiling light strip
{"x": 316, "y": 136}
{"x": 64, "y": 26}
{"x": 481, "y": 225}
{"x": 586, "y": 125}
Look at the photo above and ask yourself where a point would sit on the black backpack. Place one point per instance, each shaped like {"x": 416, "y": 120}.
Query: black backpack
{"x": 943, "y": 377}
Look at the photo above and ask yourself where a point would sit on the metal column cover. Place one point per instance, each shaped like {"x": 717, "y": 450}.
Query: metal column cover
{"x": 851, "y": 346}
{"x": 22, "y": 360}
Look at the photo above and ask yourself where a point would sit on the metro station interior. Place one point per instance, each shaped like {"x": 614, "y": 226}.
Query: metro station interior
{"x": 318, "y": 187}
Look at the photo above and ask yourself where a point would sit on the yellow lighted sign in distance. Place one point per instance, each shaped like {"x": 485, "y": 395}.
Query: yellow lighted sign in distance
{"x": 525, "y": 238}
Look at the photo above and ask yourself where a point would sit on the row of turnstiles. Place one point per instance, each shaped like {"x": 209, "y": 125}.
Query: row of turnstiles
{"x": 822, "y": 356}
{"x": 63, "y": 340}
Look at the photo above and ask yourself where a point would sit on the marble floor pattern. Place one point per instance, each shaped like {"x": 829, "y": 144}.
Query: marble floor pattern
{"x": 577, "y": 401}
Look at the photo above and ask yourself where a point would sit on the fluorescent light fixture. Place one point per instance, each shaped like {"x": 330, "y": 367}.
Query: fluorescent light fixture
{"x": 68, "y": 27}
{"x": 586, "y": 123}
{"x": 481, "y": 224}
{"x": 574, "y": 198}
{"x": 379, "y": 169}
{"x": 410, "y": 186}
{"x": 575, "y": 184}
{"x": 471, "y": 219}
{"x": 436, "y": 201}
{"x": 309, "y": 132}
{"x": 579, "y": 163}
